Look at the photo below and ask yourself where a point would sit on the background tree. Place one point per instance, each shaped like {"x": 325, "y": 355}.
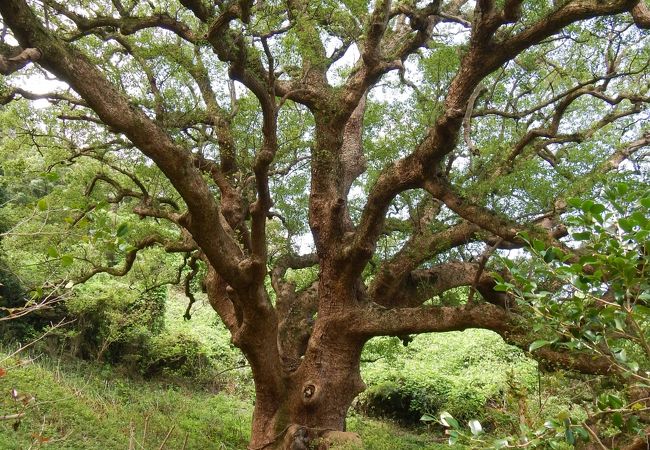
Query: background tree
{"x": 426, "y": 136}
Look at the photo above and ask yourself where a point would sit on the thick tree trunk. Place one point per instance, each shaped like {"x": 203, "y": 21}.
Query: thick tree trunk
{"x": 270, "y": 421}
{"x": 327, "y": 381}
{"x": 302, "y": 393}
{"x": 316, "y": 396}
{"x": 316, "y": 401}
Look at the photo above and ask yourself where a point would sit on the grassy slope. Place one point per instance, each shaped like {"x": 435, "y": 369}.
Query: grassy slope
{"x": 77, "y": 407}
{"x": 87, "y": 406}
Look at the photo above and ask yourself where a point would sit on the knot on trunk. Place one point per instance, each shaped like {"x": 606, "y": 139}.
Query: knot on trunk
{"x": 310, "y": 393}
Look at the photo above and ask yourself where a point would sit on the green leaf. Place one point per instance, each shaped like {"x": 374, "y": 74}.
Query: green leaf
{"x": 597, "y": 208}
{"x": 642, "y": 236}
{"x": 582, "y": 236}
{"x": 620, "y": 354}
{"x": 574, "y": 202}
{"x": 448, "y": 420}
{"x": 645, "y": 202}
{"x": 569, "y": 436}
{"x": 641, "y": 310}
{"x": 626, "y": 224}
{"x": 497, "y": 277}
{"x": 122, "y": 229}
{"x": 42, "y": 204}
{"x": 50, "y": 176}
{"x": 538, "y": 245}
{"x": 622, "y": 188}
{"x": 67, "y": 260}
{"x": 588, "y": 259}
{"x": 586, "y": 205}
{"x": 426, "y": 418}
{"x": 620, "y": 323}
{"x": 52, "y": 252}
{"x": 500, "y": 443}
{"x": 549, "y": 256}
{"x": 614, "y": 401}
{"x": 582, "y": 434}
{"x": 593, "y": 337}
{"x": 602, "y": 402}
{"x": 538, "y": 344}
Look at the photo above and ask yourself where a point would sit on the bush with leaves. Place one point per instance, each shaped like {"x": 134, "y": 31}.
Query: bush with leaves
{"x": 459, "y": 372}
{"x": 176, "y": 354}
{"x": 599, "y": 304}
{"x": 114, "y": 322}
{"x": 11, "y": 291}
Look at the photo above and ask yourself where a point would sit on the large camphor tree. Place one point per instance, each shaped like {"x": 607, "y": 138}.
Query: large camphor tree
{"x": 414, "y": 138}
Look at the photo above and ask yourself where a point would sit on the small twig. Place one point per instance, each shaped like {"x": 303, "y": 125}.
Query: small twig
{"x": 595, "y": 436}
{"x": 169, "y": 433}
{"x": 131, "y": 436}
{"x": 231, "y": 368}
{"x": 144, "y": 431}
{"x": 12, "y": 416}
{"x": 467, "y": 119}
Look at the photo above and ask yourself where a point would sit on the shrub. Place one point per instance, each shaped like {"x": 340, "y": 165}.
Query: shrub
{"x": 387, "y": 399}
{"x": 113, "y": 323}
{"x": 455, "y": 372}
{"x": 11, "y": 291}
{"x": 176, "y": 354}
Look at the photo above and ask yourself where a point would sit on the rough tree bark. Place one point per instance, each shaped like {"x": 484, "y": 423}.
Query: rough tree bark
{"x": 304, "y": 349}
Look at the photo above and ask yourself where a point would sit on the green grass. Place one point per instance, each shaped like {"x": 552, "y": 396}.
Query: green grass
{"x": 80, "y": 408}
{"x": 84, "y": 406}
{"x": 381, "y": 435}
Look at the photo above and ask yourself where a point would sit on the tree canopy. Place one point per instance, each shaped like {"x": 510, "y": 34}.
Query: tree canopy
{"x": 332, "y": 170}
